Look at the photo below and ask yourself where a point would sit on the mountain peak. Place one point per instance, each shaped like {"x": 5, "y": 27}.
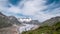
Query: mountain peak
{"x": 1, "y": 14}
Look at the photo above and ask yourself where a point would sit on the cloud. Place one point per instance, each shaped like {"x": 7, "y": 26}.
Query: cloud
{"x": 4, "y": 5}
{"x": 14, "y": 9}
{"x": 36, "y": 9}
{"x": 31, "y": 7}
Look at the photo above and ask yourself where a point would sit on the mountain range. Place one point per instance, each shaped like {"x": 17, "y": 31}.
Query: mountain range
{"x": 52, "y": 21}
{"x": 50, "y": 26}
{"x": 7, "y": 21}
{"x": 13, "y": 20}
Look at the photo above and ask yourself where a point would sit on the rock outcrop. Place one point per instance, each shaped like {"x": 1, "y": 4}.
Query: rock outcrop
{"x": 9, "y": 30}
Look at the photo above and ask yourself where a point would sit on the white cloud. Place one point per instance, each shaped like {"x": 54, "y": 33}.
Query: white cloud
{"x": 14, "y": 9}
{"x": 34, "y": 8}
{"x": 3, "y": 5}
{"x": 30, "y": 8}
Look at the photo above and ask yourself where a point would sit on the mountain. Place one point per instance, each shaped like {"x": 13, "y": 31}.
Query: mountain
{"x": 52, "y": 21}
{"x": 55, "y": 29}
{"x": 14, "y": 20}
{"x": 36, "y": 22}
{"x": 29, "y": 21}
{"x": 1, "y": 14}
{"x": 4, "y": 21}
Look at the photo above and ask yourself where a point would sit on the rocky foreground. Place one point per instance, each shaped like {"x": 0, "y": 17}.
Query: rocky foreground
{"x": 17, "y": 29}
{"x": 10, "y": 30}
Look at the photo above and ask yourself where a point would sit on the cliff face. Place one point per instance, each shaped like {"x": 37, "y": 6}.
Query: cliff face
{"x": 4, "y": 21}
{"x": 6, "y": 25}
{"x": 9, "y": 30}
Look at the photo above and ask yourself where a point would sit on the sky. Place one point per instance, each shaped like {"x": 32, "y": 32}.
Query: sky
{"x": 36, "y": 9}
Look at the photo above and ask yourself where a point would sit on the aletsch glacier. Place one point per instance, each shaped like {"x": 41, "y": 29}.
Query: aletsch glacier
{"x": 27, "y": 27}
